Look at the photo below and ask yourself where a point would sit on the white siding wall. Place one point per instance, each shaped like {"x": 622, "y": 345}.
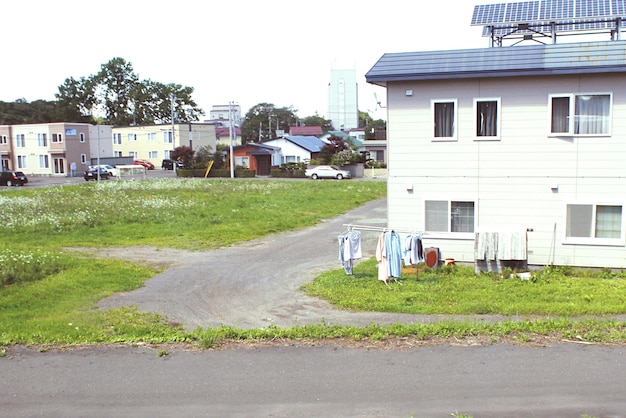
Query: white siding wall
{"x": 510, "y": 179}
{"x": 287, "y": 148}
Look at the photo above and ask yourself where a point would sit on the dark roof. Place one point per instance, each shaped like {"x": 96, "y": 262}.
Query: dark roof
{"x": 309, "y": 143}
{"x": 553, "y": 59}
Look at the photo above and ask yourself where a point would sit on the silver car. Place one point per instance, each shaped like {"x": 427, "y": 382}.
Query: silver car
{"x": 327, "y": 172}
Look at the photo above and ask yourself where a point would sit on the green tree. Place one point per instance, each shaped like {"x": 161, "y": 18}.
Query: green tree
{"x": 117, "y": 95}
{"x": 256, "y": 123}
{"x": 75, "y": 100}
{"x": 370, "y": 125}
{"x": 317, "y": 120}
{"x": 21, "y": 111}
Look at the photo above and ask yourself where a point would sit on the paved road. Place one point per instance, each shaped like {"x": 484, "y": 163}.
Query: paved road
{"x": 291, "y": 381}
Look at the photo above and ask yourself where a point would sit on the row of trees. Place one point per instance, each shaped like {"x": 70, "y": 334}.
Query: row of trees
{"x": 116, "y": 96}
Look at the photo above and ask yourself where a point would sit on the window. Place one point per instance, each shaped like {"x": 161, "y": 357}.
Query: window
{"x": 117, "y": 139}
{"x": 487, "y": 116}
{"x": 42, "y": 140}
{"x": 83, "y": 158}
{"x": 152, "y": 136}
{"x": 3, "y": 139}
{"x": 595, "y": 223}
{"x": 117, "y": 153}
{"x": 133, "y": 154}
{"x": 20, "y": 141}
{"x": 243, "y": 162}
{"x": 43, "y": 161}
{"x": 59, "y": 165}
{"x": 57, "y": 138}
{"x": 22, "y": 162}
{"x": 444, "y": 119}
{"x": 81, "y": 137}
{"x": 592, "y": 114}
{"x": 153, "y": 155}
{"x": 167, "y": 137}
{"x": 449, "y": 216}
{"x": 132, "y": 137}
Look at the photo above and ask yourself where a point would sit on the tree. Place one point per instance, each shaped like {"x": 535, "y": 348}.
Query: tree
{"x": 335, "y": 145}
{"x": 183, "y": 154}
{"x": 317, "y": 120}
{"x": 75, "y": 100}
{"x": 117, "y": 95}
{"x": 370, "y": 125}
{"x": 256, "y": 124}
{"x": 21, "y": 111}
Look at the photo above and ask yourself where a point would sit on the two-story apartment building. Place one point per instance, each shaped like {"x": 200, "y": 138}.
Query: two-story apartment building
{"x": 46, "y": 148}
{"x": 528, "y": 142}
{"x": 154, "y": 142}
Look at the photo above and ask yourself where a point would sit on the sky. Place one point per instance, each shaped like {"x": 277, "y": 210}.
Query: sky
{"x": 246, "y": 51}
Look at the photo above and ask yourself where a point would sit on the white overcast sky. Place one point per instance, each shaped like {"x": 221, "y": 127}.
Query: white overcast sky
{"x": 246, "y": 51}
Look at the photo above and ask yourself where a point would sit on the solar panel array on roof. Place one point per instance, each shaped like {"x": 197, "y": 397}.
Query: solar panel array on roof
{"x": 546, "y": 11}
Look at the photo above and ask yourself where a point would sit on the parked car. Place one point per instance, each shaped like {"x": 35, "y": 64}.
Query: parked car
{"x": 144, "y": 163}
{"x": 13, "y": 178}
{"x": 169, "y": 164}
{"x": 92, "y": 174}
{"x": 327, "y": 172}
{"x": 106, "y": 167}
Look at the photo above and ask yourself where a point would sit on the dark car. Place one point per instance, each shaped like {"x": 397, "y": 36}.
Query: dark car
{"x": 169, "y": 164}
{"x": 13, "y": 178}
{"x": 92, "y": 174}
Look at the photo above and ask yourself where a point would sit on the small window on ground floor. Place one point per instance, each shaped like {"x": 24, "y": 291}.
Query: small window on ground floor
{"x": 599, "y": 223}
{"x": 449, "y": 216}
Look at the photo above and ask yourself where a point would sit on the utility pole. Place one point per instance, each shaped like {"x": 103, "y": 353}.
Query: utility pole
{"x": 173, "y": 99}
{"x": 230, "y": 134}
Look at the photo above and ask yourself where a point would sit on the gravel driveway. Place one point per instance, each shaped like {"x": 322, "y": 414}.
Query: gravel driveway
{"x": 257, "y": 283}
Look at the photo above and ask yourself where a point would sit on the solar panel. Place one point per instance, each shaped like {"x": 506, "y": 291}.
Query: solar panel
{"x": 546, "y": 11}
{"x": 618, "y": 7}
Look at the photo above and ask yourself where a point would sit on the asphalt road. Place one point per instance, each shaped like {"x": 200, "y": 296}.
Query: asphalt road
{"x": 290, "y": 381}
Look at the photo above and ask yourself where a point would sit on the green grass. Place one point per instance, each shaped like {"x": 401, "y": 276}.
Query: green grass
{"x": 48, "y": 293}
{"x": 457, "y": 290}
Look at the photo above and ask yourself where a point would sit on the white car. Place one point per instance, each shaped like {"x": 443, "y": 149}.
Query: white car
{"x": 327, "y": 172}
{"x": 106, "y": 167}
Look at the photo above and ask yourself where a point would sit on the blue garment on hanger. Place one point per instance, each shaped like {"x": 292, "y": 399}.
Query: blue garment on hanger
{"x": 393, "y": 248}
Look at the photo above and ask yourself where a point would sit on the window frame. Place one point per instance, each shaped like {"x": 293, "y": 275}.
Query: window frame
{"x": 455, "y": 128}
{"x": 498, "y": 102}
{"x": 117, "y": 138}
{"x": 592, "y": 239}
{"x": 44, "y": 161}
{"x": 42, "y": 140}
{"x": 20, "y": 141}
{"x": 449, "y": 203}
{"x": 573, "y": 117}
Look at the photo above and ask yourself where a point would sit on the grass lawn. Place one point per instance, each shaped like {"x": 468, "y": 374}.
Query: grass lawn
{"x": 48, "y": 294}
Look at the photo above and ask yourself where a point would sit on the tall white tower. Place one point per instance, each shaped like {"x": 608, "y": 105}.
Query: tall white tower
{"x": 343, "y": 108}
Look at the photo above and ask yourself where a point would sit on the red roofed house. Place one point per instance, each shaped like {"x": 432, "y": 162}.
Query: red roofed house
{"x": 305, "y": 131}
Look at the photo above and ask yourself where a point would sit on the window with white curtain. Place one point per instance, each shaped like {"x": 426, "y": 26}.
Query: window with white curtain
{"x": 487, "y": 118}
{"x": 449, "y": 216}
{"x": 444, "y": 118}
{"x": 580, "y": 114}
{"x": 600, "y": 223}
